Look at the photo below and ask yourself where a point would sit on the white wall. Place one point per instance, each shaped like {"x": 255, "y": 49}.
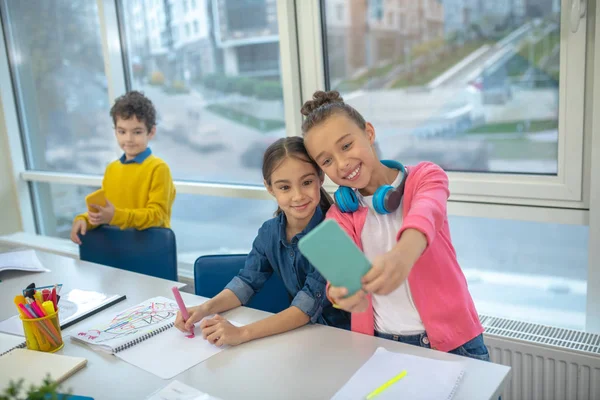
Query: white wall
{"x": 10, "y": 221}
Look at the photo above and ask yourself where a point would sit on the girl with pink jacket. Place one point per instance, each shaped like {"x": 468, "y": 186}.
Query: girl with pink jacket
{"x": 415, "y": 291}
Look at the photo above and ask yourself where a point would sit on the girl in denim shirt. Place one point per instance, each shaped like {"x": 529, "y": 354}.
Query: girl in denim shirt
{"x": 295, "y": 181}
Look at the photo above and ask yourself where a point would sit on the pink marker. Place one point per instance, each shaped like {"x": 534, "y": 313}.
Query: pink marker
{"x": 26, "y": 311}
{"x": 183, "y": 309}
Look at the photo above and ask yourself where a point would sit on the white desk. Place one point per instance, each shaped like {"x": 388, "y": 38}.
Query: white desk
{"x": 312, "y": 362}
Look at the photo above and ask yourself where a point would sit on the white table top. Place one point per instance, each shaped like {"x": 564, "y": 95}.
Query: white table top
{"x": 312, "y": 362}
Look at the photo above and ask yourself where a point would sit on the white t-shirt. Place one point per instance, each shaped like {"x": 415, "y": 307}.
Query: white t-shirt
{"x": 395, "y": 313}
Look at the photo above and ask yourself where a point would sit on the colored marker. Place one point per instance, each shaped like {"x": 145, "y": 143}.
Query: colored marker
{"x": 182, "y": 308}
{"x": 54, "y": 299}
{"x": 44, "y": 338}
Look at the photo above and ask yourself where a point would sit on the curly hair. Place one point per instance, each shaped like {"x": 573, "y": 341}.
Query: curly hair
{"x": 325, "y": 104}
{"x": 134, "y": 103}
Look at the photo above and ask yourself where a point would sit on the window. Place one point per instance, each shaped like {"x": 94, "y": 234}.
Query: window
{"x": 495, "y": 149}
{"x": 245, "y": 14}
{"x": 58, "y": 74}
{"x": 376, "y": 9}
{"x": 259, "y": 57}
{"x": 185, "y": 6}
{"x": 339, "y": 9}
{"x": 528, "y": 271}
{"x": 467, "y": 121}
{"x": 219, "y": 107}
{"x": 476, "y": 92}
{"x": 193, "y": 4}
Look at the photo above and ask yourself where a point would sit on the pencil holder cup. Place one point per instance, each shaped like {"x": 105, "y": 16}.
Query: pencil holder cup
{"x": 43, "y": 334}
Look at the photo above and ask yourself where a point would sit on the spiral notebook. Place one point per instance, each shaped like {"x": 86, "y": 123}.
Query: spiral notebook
{"x": 425, "y": 378}
{"x": 144, "y": 336}
{"x": 10, "y": 342}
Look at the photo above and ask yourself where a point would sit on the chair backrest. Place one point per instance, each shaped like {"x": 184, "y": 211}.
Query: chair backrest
{"x": 212, "y": 273}
{"x": 151, "y": 251}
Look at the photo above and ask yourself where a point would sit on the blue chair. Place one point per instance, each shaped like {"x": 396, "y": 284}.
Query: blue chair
{"x": 151, "y": 251}
{"x": 212, "y": 273}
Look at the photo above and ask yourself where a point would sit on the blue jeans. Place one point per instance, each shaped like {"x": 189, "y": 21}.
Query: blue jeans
{"x": 474, "y": 348}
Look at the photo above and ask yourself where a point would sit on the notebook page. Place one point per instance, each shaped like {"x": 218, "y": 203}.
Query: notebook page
{"x": 22, "y": 260}
{"x": 9, "y": 342}
{"x": 170, "y": 353}
{"x": 134, "y": 323}
{"x": 425, "y": 379}
{"x": 13, "y": 326}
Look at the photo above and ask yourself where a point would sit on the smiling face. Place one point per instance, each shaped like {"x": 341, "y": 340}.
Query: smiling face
{"x": 343, "y": 151}
{"x": 296, "y": 185}
{"x": 132, "y": 136}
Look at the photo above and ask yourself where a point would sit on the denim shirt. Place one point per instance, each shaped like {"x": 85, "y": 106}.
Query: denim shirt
{"x": 271, "y": 252}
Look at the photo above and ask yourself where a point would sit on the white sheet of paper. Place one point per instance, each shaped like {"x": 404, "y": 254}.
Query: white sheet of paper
{"x": 8, "y": 342}
{"x": 22, "y": 260}
{"x": 169, "y": 353}
{"x": 13, "y": 326}
{"x": 425, "y": 379}
{"x": 180, "y": 391}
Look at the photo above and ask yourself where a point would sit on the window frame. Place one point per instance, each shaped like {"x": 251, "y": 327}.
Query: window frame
{"x": 593, "y": 281}
{"x": 9, "y": 121}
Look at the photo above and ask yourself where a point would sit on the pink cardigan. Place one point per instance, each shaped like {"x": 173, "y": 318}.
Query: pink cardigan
{"x": 438, "y": 286}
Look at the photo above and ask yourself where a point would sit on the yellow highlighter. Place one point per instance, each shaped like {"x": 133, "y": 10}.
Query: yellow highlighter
{"x": 48, "y": 307}
{"x": 386, "y": 385}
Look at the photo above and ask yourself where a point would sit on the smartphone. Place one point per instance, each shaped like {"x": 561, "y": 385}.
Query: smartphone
{"x": 95, "y": 198}
{"x": 335, "y": 256}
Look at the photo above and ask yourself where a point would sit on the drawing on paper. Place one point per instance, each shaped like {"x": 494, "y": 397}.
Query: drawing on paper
{"x": 134, "y": 321}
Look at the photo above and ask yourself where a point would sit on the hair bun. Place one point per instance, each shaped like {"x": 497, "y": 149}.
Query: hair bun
{"x": 320, "y": 98}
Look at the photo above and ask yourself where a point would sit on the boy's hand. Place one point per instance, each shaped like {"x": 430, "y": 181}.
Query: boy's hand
{"x": 356, "y": 303}
{"x": 220, "y": 332}
{"x": 79, "y": 226}
{"x": 196, "y": 314}
{"x": 103, "y": 216}
{"x": 386, "y": 275}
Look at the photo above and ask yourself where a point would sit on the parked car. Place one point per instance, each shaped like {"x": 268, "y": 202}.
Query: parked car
{"x": 494, "y": 86}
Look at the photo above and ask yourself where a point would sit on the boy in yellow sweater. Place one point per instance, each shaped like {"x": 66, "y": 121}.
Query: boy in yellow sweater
{"x": 138, "y": 187}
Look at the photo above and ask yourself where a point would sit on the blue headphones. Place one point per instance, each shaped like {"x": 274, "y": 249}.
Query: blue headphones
{"x": 385, "y": 200}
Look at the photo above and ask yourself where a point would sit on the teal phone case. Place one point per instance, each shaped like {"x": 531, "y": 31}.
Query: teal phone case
{"x": 335, "y": 256}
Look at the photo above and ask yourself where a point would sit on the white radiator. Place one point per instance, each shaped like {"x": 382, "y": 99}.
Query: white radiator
{"x": 546, "y": 363}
